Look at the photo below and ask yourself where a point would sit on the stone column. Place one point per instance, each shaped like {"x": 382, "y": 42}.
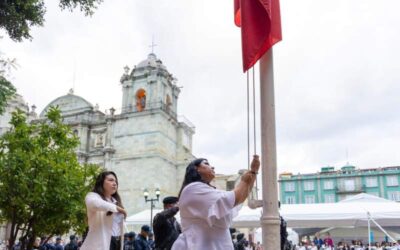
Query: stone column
{"x": 270, "y": 221}
{"x": 108, "y": 148}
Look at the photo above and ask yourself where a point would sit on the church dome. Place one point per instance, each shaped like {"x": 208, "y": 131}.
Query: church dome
{"x": 151, "y": 61}
{"x": 69, "y": 104}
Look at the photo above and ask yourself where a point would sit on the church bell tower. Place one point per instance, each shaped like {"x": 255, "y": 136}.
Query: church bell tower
{"x": 149, "y": 85}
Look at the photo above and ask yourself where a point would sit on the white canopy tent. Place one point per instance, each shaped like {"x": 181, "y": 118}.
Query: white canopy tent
{"x": 352, "y": 212}
{"x": 247, "y": 218}
{"x": 141, "y": 218}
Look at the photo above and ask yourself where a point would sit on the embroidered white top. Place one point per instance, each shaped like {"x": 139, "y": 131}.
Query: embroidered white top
{"x": 206, "y": 215}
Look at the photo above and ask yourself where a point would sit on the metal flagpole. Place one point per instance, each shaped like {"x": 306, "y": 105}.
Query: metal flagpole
{"x": 270, "y": 221}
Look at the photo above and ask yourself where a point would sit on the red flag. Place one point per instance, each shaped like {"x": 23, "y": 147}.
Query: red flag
{"x": 260, "y": 22}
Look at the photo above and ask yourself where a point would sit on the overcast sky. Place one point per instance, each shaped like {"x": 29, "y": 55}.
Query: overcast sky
{"x": 337, "y": 74}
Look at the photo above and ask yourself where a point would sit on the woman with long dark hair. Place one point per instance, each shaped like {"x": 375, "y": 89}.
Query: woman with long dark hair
{"x": 105, "y": 213}
{"x": 206, "y": 213}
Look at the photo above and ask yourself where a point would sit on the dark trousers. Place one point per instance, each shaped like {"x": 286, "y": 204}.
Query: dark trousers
{"x": 115, "y": 243}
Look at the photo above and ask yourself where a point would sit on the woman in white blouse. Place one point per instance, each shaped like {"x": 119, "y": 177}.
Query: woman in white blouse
{"x": 105, "y": 213}
{"x": 206, "y": 213}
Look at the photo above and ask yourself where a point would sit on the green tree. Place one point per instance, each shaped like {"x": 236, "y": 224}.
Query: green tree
{"x": 7, "y": 90}
{"x": 42, "y": 184}
{"x": 17, "y": 17}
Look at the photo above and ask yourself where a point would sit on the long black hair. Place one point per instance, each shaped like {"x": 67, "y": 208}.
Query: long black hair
{"x": 98, "y": 187}
{"x": 191, "y": 174}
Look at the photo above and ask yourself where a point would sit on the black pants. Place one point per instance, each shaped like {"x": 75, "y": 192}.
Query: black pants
{"x": 115, "y": 243}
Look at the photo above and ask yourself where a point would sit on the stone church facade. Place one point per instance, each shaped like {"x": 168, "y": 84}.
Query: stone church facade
{"x": 144, "y": 142}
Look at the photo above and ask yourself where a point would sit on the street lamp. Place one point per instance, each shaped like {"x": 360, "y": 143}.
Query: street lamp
{"x": 152, "y": 200}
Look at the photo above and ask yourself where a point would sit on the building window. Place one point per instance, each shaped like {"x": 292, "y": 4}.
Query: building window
{"x": 289, "y": 186}
{"x": 290, "y": 200}
{"x": 329, "y": 198}
{"x": 392, "y": 180}
{"x": 328, "y": 184}
{"x": 309, "y": 199}
{"x": 349, "y": 185}
{"x": 371, "y": 182}
{"x": 308, "y": 185}
{"x": 394, "y": 196}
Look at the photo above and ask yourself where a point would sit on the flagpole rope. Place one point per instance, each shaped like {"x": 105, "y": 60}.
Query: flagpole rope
{"x": 254, "y": 123}
{"x": 254, "y": 113}
{"x": 248, "y": 121}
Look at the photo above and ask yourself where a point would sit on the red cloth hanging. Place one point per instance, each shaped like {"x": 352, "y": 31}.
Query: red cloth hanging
{"x": 260, "y": 22}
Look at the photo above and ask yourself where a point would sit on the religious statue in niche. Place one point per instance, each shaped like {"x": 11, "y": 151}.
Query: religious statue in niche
{"x": 140, "y": 100}
{"x": 99, "y": 140}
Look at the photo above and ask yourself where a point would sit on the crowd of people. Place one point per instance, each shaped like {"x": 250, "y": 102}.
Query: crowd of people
{"x": 327, "y": 244}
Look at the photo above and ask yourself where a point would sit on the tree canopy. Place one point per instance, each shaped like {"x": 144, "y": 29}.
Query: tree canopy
{"x": 41, "y": 181}
{"x": 17, "y": 17}
{"x": 7, "y": 90}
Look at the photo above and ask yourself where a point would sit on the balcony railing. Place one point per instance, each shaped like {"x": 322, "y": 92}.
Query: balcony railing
{"x": 357, "y": 188}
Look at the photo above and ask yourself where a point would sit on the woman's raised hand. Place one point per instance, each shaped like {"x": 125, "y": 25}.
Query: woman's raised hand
{"x": 250, "y": 176}
{"x": 255, "y": 164}
{"x": 122, "y": 211}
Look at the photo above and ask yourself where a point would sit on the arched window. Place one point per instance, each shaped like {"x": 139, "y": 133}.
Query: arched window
{"x": 140, "y": 100}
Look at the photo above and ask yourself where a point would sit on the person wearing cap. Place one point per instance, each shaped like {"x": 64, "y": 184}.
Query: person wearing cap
{"x": 130, "y": 242}
{"x": 58, "y": 245}
{"x": 206, "y": 213}
{"x": 141, "y": 242}
{"x": 166, "y": 228}
{"x": 72, "y": 245}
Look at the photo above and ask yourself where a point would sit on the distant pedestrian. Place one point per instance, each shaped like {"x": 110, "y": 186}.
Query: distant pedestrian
{"x": 141, "y": 242}
{"x": 58, "y": 245}
{"x": 36, "y": 244}
{"x": 318, "y": 241}
{"x": 72, "y": 244}
{"x": 328, "y": 240}
{"x": 130, "y": 241}
{"x": 105, "y": 214}
{"x": 241, "y": 242}
{"x": 150, "y": 240}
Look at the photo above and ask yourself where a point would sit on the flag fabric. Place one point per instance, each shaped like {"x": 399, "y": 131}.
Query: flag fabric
{"x": 260, "y": 23}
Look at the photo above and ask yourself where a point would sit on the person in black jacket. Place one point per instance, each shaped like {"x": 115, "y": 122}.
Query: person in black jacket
{"x": 285, "y": 244}
{"x": 129, "y": 244}
{"x": 72, "y": 245}
{"x": 141, "y": 242}
{"x": 241, "y": 242}
{"x": 166, "y": 228}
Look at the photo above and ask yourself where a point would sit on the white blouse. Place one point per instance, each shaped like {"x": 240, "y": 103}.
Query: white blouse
{"x": 206, "y": 215}
{"x": 100, "y": 225}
